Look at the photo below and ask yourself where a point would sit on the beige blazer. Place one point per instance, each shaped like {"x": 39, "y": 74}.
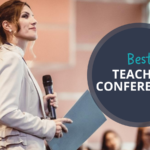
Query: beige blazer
{"x": 21, "y": 104}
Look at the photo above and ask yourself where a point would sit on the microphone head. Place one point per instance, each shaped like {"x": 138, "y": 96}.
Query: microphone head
{"x": 47, "y": 80}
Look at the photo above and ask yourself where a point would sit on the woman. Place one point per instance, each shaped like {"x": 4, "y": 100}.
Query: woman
{"x": 143, "y": 139}
{"x": 111, "y": 141}
{"x": 23, "y": 110}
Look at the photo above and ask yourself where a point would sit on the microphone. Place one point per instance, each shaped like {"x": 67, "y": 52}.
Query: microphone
{"x": 48, "y": 86}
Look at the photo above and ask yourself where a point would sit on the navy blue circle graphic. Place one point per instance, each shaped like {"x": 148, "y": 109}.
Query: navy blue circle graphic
{"x": 119, "y": 74}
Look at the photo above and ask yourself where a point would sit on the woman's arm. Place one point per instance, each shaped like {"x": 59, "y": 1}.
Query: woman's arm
{"x": 11, "y": 76}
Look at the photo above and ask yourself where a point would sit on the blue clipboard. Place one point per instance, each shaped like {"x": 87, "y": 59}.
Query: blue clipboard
{"x": 87, "y": 118}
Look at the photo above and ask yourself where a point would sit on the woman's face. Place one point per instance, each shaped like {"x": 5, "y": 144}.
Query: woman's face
{"x": 27, "y": 24}
{"x": 146, "y": 136}
{"x": 113, "y": 142}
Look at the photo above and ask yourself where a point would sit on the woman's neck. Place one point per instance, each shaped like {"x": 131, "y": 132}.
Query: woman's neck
{"x": 20, "y": 43}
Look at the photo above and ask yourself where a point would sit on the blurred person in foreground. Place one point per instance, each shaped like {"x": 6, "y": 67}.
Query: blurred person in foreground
{"x": 143, "y": 139}
{"x": 111, "y": 141}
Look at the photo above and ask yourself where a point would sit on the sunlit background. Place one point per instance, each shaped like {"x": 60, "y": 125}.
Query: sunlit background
{"x": 68, "y": 31}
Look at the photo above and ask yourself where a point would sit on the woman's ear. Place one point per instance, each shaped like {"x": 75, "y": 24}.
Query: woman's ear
{"x": 7, "y": 26}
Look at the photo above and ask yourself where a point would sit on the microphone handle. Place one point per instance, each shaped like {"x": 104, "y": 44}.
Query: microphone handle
{"x": 49, "y": 90}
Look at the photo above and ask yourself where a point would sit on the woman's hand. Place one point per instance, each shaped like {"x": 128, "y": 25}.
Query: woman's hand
{"x": 53, "y": 102}
{"x": 61, "y": 127}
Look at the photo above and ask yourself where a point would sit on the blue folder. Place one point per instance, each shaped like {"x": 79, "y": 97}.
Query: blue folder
{"x": 87, "y": 118}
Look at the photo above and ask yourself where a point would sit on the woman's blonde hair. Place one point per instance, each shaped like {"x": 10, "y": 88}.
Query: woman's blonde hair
{"x": 10, "y": 11}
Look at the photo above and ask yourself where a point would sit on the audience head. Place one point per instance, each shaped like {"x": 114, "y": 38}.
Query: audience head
{"x": 143, "y": 138}
{"x": 111, "y": 141}
{"x": 84, "y": 148}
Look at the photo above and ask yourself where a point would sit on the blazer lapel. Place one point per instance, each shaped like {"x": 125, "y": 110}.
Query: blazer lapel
{"x": 38, "y": 90}
{"x": 21, "y": 53}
